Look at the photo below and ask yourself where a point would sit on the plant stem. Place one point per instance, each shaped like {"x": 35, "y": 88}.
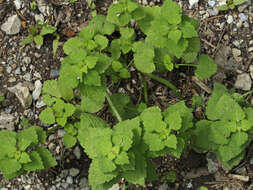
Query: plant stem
{"x": 145, "y": 91}
{"x": 165, "y": 82}
{"x": 115, "y": 111}
{"x": 53, "y": 129}
{"x": 189, "y": 65}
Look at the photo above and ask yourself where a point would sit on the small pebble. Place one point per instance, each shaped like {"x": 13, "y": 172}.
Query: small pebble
{"x": 211, "y": 3}
{"x": 69, "y": 180}
{"x": 243, "y": 17}
{"x": 27, "y": 60}
{"x": 230, "y": 19}
{"x": 236, "y": 52}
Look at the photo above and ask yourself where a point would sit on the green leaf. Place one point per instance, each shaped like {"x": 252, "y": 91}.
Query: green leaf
{"x": 153, "y": 141}
{"x": 27, "y": 40}
{"x": 188, "y": 30}
{"x": 71, "y": 45}
{"x": 92, "y": 78}
{"x": 47, "y": 159}
{"x": 175, "y": 35}
{"x": 50, "y": 87}
{"x": 124, "y": 73}
{"x": 206, "y": 67}
{"x": 47, "y": 116}
{"x": 47, "y": 29}
{"x": 122, "y": 159}
{"x": 115, "y": 49}
{"x": 131, "y": 6}
{"x": 86, "y": 33}
{"x": 55, "y": 45}
{"x": 8, "y": 166}
{"x": 97, "y": 177}
{"x": 93, "y": 98}
{"x": 106, "y": 165}
{"x": 152, "y": 119}
{"x": 35, "y": 164}
{"x": 219, "y": 132}
{"x": 38, "y": 39}
{"x": 33, "y": 30}
{"x": 95, "y": 141}
{"x": 203, "y": 188}
{"x": 24, "y": 158}
{"x": 127, "y": 33}
{"x": 171, "y": 11}
{"x": 143, "y": 57}
{"x": 184, "y": 112}
{"x": 238, "y": 2}
{"x": 174, "y": 121}
{"x": 40, "y": 133}
{"x": 27, "y": 137}
{"x": 69, "y": 141}
{"x": 116, "y": 66}
{"x": 190, "y": 57}
{"x": 48, "y": 100}
{"x": 7, "y": 142}
{"x": 234, "y": 148}
{"x": 91, "y": 61}
{"x": 168, "y": 63}
{"x": 218, "y": 91}
{"x": 138, "y": 175}
{"x": 102, "y": 41}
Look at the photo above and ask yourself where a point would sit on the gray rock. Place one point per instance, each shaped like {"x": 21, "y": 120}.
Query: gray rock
{"x": 27, "y": 77}
{"x": 65, "y": 185}
{"x": 251, "y": 71}
{"x": 37, "y": 91}
{"x": 73, "y": 172}
{"x": 27, "y": 60}
{"x": 212, "y": 163}
{"x": 193, "y": 2}
{"x": 54, "y": 73}
{"x": 115, "y": 187}
{"x": 236, "y": 52}
{"x": 43, "y": 7}
{"x": 8, "y": 69}
{"x": 230, "y": 19}
{"x": 243, "y": 82}
{"x": 243, "y": 17}
{"x": 23, "y": 94}
{"x": 163, "y": 187}
{"x": 83, "y": 182}
{"x": 61, "y": 133}
{"x": 12, "y": 25}
{"x": 69, "y": 180}
{"x": 64, "y": 173}
{"x": 40, "y": 104}
{"x": 18, "y": 71}
{"x": 7, "y": 121}
{"x": 39, "y": 17}
{"x": 37, "y": 75}
{"x": 18, "y": 4}
{"x": 241, "y": 171}
{"x": 211, "y": 3}
{"x": 77, "y": 152}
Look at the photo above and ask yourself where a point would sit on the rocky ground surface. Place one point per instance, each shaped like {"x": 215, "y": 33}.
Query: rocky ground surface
{"x": 226, "y": 36}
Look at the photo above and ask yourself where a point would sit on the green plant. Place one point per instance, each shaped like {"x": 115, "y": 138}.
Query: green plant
{"x": 231, "y": 4}
{"x": 23, "y": 152}
{"x": 161, "y": 40}
{"x": 36, "y": 35}
{"x": 33, "y": 4}
{"x": 226, "y": 132}
{"x": 1, "y": 99}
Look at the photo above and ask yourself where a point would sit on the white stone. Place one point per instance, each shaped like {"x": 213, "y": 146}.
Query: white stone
{"x": 7, "y": 121}
{"x": 23, "y": 94}
{"x": 18, "y": 4}
{"x": 230, "y": 19}
{"x": 12, "y": 25}
{"x": 37, "y": 91}
{"x": 193, "y": 2}
{"x": 243, "y": 82}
